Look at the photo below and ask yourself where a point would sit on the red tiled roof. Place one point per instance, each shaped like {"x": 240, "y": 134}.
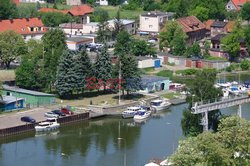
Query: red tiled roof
{"x": 238, "y": 3}
{"x": 208, "y": 24}
{"x": 80, "y": 10}
{"x": 190, "y": 24}
{"x": 17, "y": 2}
{"x": 47, "y": 10}
{"x": 21, "y": 25}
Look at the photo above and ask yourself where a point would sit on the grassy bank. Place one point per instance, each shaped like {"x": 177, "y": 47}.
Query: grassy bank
{"x": 124, "y": 14}
{"x": 7, "y": 75}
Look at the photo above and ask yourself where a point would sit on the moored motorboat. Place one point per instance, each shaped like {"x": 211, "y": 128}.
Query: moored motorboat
{"x": 160, "y": 104}
{"x": 142, "y": 115}
{"x": 130, "y": 112}
{"x": 49, "y": 125}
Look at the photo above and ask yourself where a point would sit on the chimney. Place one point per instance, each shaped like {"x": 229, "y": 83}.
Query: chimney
{"x": 27, "y": 19}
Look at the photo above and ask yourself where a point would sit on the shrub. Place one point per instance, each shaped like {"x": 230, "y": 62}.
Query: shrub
{"x": 244, "y": 65}
{"x": 187, "y": 72}
{"x": 165, "y": 73}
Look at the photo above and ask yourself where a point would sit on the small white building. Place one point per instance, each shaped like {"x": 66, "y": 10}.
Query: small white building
{"x": 102, "y": 2}
{"x": 128, "y": 25}
{"x": 79, "y": 29}
{"x": 152, "y": 22}
{"x": 74, "y": 43}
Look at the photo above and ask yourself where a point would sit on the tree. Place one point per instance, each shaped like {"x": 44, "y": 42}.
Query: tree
{"x": 216, "y": 8}
{"x": 231, "y": 44}
{"x": 150, "y": 5}
{"x": 228, "y": 146}
{"x": 180, "y": 7}
{"x": 7, "y": 10}
{"x": 66, "y": 79}
{"x": 201, "y": 89}
{"x": 118, "y": 26}
{"x": 30, "y": 73}
{"x": 53, "y": 19}
{"x": 54, "y": 47}
{"x": 141, "y": 48}
{"x": 100, "y": 15}
{"x": 200, "y": 12}
{"x": 194, "y": 50}
{"x": 244, "y": 65}
{"x": 12, "y": 45}
{"x": 103, "y": 33}
{"x": 247, "y": 37}
{"x": 123, "y": 43}
{"x": 174, "y": 38}
{"x": 245, "y": 11}
{"x": 103, "y": 67}
{"x": 83, "y": 70}
{"x": 27, "y": 11}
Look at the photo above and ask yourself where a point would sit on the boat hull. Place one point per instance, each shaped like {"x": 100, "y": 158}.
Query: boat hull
{"x": 46, "y": 128}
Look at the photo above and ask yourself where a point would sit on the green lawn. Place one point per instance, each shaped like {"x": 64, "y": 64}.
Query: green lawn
{"x": 124, "y": 14}
{"x": 165, "y": 73}
{"x": 171, "y": 95}
{"x": 59, "y": 6}
{"x": 148, "y": 70}
{"x": 215, "y": 58}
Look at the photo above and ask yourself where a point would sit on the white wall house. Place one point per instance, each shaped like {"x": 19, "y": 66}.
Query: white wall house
{"x": 128, "y": 25}
{"x": 79, "y": 29}
{"x": 74, "y": 43}
{"x": 32, "y": 1}
{"x": 152, "y": 22}
{"x": 103, "y": 2}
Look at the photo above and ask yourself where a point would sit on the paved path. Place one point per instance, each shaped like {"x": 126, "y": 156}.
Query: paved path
{"x": 13, "y": 119}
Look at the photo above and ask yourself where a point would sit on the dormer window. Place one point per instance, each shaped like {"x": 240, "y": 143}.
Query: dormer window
{"x": 39, "y": 29}
{"x": 31, "y": 29}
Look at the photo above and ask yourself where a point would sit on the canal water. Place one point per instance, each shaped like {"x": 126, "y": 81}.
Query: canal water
{"x": 96, "y": 143}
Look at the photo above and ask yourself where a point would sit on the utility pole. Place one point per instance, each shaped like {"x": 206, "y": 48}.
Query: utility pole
{"x": 119, "y": 82}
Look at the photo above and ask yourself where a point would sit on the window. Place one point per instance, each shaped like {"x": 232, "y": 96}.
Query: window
{"x": 31, "y": 29}
{"x": 39, "y": 29}
{"x": 8, "y": 93}
{"x": 150, "y": 26}
{"x": 133, "y": 25}
{"x": 146, "y": 19}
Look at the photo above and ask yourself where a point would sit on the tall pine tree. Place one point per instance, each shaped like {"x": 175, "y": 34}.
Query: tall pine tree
{"x": 103, "y": 67}
{"x": 66, "y": 78}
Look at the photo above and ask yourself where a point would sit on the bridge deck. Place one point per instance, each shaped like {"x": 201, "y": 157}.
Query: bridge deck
{"x": 200, "y": 108}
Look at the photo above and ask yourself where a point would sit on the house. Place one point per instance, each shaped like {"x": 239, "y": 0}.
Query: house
{"x": 10, "y": 103}
{"x": 154, "y": 83}
{"x": 74, "y": 43}
{"x": 29, "y": 28}
{"x": 216, "y": 48}
{"x": 82, "y": 12}
{"x": 153, "y": 22}
{"x": 128, "y": 25}
{"x": 102, "y": 2}
{"x": 79, "y": 29}
{"x": 208, "y": 24}
{"x": 193, "y": 27}
{"x": 32, "y": 1}
{"x": 235, "y": 5}
{"x": 218, "y": 27}
{"x": 31, "y": 98}
{"x": 75, "y": 2}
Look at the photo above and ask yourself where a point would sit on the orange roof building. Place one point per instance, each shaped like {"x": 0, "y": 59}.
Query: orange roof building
{"x": 193, "y": 27}
{"x": 235, "y": 4}
{"x": 27, "y": 27}
{"x": 81, "y": 10}
{"x": 47, "y": 10}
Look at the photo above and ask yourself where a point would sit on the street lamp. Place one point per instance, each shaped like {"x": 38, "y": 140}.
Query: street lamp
{"x": 125, "y": 157}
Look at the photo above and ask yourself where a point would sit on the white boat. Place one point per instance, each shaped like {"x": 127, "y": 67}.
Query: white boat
{"x": 225, "y": 92}
{"x": 234, "y": 90}
{"x": 49, "y": 125}
{"x": 224, "y": 85}
{"x": 130, "y": 112}
{"x": 160, "y": 104}
{"x": 142, "y": 115}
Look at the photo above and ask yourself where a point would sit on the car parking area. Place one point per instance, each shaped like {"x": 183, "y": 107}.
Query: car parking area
{"x": 14, "y": 119}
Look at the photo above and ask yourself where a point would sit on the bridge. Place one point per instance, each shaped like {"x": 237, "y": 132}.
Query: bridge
{"x": 204, "y": 107}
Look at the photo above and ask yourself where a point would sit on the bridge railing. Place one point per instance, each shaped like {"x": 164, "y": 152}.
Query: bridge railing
{"x": 204, "y": 102}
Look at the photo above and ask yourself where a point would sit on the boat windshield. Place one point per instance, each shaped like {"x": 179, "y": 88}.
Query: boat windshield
{"x": 141, "y": 113}
{"x": 155, "y": 103}
{"x": 44, "y": 124}
{"x": 133, "y": 109}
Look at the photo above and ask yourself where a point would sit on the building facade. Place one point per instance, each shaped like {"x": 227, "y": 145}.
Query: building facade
{"x": 74, "y": 43}
{"x": 193, "y": 27}
{"x": 10, "y": 103}
{"x": 128, "y": 25}
{"x": 31, "y": 98}
{"x": 235, "y": 5}
{"x": 153, "y": 22}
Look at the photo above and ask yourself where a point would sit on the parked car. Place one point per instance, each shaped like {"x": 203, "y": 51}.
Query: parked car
{"x": 28, "y": 119}
{"x": 51, "y": 115}
{"x": 67, "y": 111}
{"x": 58, "y": 112}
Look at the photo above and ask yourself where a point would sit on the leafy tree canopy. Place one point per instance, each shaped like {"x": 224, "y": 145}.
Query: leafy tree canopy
{"x": 8, "y": 9}
{"x": 200, "y": 12}
{"x": 245, "y": 11}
